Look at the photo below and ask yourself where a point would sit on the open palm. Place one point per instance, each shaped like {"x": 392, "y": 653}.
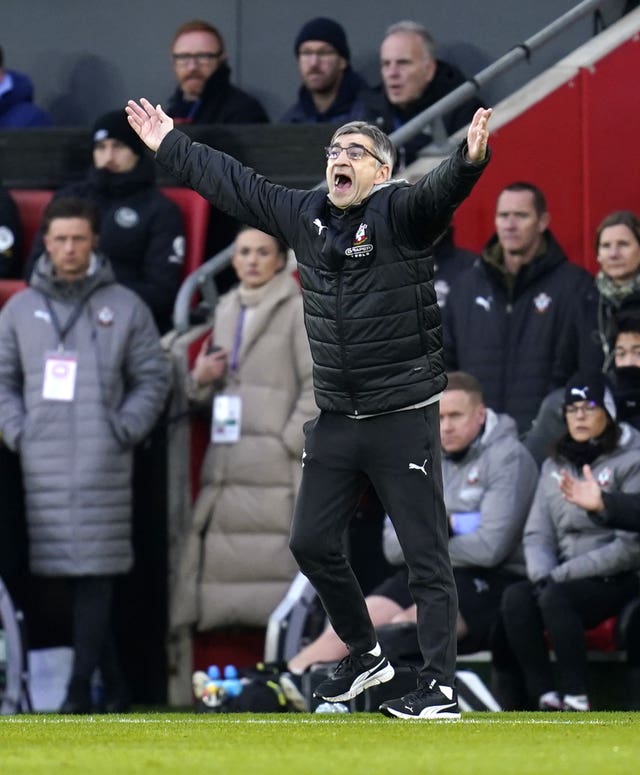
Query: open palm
{"x": 150, "y": 123}
{"x": 478, "y": 135}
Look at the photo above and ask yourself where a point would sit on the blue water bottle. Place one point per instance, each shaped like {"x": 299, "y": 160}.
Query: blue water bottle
{"x": 231, "y": 683}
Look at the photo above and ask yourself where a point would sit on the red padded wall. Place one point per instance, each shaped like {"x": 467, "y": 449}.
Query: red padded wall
{"x": 580, "y": 145}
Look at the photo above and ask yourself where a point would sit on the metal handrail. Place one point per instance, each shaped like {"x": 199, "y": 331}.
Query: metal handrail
{"x": 201, "y": 278}
{"x": 508, "y": 60}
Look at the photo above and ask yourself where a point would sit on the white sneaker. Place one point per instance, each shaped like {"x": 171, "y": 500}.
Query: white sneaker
{"x": 432, "y": 701}
{"x": 577, "y": 702}
{"x": 550, "y": 701}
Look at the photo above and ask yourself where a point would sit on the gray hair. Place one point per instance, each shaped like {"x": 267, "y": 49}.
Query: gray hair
{"x": 382, "y": 146}
{"x": 417, "y": 29}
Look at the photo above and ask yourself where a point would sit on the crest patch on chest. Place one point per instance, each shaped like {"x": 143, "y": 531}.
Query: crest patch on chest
{"x": 361, "y": 243}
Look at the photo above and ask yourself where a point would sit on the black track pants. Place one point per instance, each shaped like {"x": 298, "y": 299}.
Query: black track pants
{"x": 400, "y": 454}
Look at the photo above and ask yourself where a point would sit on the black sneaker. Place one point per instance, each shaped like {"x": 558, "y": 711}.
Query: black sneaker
{"x": 291, "y": 685}
{"x": 432, "y": 701}
{"x": 353, "y": 675}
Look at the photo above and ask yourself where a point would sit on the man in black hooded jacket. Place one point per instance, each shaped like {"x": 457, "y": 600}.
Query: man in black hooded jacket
{"x": 141, "y": 230}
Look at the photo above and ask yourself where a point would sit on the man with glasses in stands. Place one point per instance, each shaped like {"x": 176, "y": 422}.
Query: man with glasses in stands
{"x": 205, "y": 94}
{"x": 330, "y": 87}
{"x": 366, "y": 272}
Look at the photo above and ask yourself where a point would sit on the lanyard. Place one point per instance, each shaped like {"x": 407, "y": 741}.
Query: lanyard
{"x": 61, "y": 330}
{"x": 237, "y": 341}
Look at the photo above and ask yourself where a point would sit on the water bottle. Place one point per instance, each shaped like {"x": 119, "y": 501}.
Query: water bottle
{"x": 332, "y": 707}
{"x": 232, "y": 684}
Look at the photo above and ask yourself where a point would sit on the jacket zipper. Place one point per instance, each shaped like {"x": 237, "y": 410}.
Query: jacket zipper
{"x": 345, "y": 370}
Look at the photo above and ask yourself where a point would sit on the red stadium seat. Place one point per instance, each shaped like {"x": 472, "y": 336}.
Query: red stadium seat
{"x": 31, "y": 205}
{"x": 8, "y": 288}
{"x": 195, "y": 211}
{"x": 603, "y": 636}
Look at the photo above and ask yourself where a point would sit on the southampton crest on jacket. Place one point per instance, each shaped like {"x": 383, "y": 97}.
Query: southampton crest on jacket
{"x": 361, "y": 245}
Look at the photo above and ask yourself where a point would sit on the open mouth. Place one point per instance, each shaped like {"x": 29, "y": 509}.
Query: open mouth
{"x": 341, "y": 182}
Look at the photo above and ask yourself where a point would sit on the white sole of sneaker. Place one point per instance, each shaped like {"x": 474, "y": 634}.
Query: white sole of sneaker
{"x": 361, "y": 683}
{"x": 433, "y": 713}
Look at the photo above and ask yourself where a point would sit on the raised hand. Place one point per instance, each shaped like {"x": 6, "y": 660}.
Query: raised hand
{"x": 585, "y": 493}
{"x": 150, "y": 124}
{"x": 478, "y": 135}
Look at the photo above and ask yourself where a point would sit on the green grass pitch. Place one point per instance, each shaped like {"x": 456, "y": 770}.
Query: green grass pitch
{"x": 306, "y": 744}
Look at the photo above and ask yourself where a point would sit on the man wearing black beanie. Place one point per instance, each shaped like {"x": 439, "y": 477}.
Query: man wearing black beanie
{"x": 330, "y": 87}
{"x": 141, "y": 231}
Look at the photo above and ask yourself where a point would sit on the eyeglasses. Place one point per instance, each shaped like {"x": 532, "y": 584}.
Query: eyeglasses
{"x": 354, "y": 152}
{"x": 589, "y": 408}
{"x": 200, "y": 58}
{"x": 323, "y": 53}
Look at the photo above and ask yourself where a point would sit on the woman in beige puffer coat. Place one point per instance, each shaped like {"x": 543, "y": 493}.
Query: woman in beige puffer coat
{"x": 235, "y": 565}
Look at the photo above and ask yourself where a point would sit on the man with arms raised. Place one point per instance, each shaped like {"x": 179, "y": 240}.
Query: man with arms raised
{"x": 374, "y": 328}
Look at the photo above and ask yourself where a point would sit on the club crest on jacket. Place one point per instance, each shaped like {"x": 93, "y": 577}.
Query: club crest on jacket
{"x": 361, "y": 245}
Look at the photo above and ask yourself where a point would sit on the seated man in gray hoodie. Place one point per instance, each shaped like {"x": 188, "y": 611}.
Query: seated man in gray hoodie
{"x": 489, "y": 481}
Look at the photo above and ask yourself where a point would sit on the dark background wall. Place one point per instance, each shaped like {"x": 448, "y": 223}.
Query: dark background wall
{"x": 87, "y": 57}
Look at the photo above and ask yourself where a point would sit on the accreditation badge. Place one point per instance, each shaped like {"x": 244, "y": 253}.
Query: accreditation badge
{"x": 60, "y": 370}
{"x": 227, "y": 414}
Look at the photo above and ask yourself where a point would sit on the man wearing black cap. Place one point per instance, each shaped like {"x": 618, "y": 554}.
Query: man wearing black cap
{"x": 330, "y": 87}
{"x": 141, "y": 231}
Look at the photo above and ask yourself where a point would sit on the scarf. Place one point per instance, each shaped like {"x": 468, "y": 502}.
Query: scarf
{"x": 251, "y": 297}
{"x": 579, "y": 453}
{"x": 614, "y": 292}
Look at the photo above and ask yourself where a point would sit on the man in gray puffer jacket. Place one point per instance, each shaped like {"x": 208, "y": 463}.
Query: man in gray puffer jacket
{"x": 82, "y": 380}
{"x": 489, "y": 482}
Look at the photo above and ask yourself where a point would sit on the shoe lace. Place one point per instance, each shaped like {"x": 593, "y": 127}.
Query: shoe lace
{"x": 345, "y": 666}
{"x": 415, "y": 696}
{"x": 419, "y": 693}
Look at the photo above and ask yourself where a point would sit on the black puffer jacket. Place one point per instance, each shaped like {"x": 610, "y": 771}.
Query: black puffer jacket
{"x": 514, "y": 337}
{"x": 366, "y": 272}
